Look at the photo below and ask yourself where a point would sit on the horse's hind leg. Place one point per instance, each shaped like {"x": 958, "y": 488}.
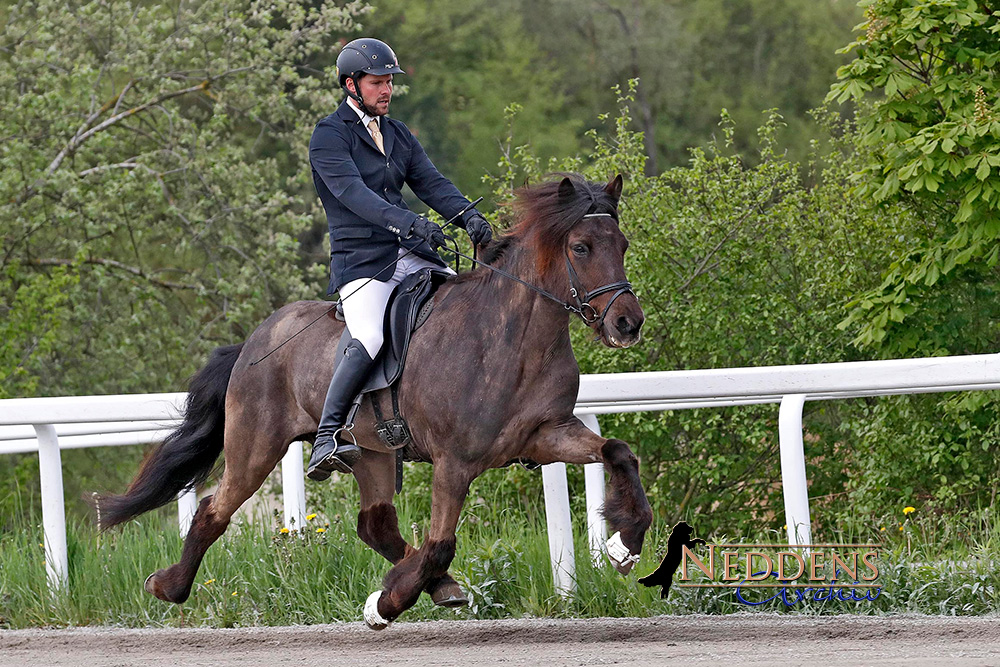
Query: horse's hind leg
{"x": 378, "y": 525}
{"x": 245, "y": 471}
{"x": 625, "y": 507}
{"x": 402, "y": 584}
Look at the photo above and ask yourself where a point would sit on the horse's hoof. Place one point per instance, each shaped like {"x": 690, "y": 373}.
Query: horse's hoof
{"x": 153, "y": 587}
{"x": 373, "y": 619}
{"x": 619, "y": 554}
{"x": 449, "y": 595}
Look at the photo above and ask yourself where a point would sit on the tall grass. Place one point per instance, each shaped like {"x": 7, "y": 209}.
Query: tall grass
{"x": 256, "y": 575}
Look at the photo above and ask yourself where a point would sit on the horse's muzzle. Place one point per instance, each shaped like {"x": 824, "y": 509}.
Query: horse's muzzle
{"x": 622, "y": 330}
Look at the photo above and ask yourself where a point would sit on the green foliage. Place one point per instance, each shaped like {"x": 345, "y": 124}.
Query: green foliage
{"x": 30, "y": 325}
{"x": 465, "y": 61}
{"x": 925, "y": 78}
{"x": 927, "y": 74}
{"x": 692, "y": 59}
{"x": 149, "y": 182}
{"x": 154, "y": 187}
{"x": 153, "y": 181}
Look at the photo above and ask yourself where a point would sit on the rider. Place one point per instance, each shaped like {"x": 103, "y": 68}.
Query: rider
{"x": 360, "y": 160}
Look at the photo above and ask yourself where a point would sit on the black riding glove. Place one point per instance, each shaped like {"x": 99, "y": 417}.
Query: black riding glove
{"x": 479, "y": 230}
{"x": 428, "y": 231}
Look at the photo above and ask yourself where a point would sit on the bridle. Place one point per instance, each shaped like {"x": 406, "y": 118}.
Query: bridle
{"x": 581, "y": 296}
{"x": 583, "y": 308}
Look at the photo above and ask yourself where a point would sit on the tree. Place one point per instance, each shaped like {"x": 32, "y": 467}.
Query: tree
{"x": 692, "y": 59}
{"x": 926, "y": 76}
{"x": 153, "y": 181}
{"x": 153, "y": 158}
{"x": 465, "y": 62}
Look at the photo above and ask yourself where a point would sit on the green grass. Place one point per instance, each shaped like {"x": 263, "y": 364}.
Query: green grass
{"x": 256, "y": 575}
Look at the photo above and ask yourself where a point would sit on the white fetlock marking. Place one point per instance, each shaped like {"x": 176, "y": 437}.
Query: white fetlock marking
{"x": 619, "y": 553}
{"x": 372, "y": 617}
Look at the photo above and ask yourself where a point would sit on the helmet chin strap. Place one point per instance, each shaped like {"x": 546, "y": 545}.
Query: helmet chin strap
{"x": 357, "y": 96}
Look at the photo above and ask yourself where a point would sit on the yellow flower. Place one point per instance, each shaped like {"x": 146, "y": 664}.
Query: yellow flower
{"x": 321, "y": 530}
{"x": 909, "y": 510}
{"x": 208, "y": 582}
{"x": 310, "y": 517}
{"x": 235, "y": 593}
{"x": 882, "y": 529}
{"x": 283, "y": 531}
{"x": 901, "y": 526}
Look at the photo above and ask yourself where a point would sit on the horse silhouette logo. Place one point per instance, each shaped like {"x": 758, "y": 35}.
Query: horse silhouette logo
{"x": 663, "y": 575}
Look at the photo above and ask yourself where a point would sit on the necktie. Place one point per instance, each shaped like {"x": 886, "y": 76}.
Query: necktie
{"x": 376, "y": 135}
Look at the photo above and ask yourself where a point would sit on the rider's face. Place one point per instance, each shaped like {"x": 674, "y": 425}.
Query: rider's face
{"x": 376, "y": 91}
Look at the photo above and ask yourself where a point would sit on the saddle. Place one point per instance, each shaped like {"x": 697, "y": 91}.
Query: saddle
{"x": 409, "y": 307}
{"x": 410, "y": 303}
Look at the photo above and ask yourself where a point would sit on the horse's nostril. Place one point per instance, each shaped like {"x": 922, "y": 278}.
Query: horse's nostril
{"x": 625, "y": 327}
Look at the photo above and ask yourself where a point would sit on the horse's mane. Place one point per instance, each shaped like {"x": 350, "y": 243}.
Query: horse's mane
{"x": 543, "y": 218}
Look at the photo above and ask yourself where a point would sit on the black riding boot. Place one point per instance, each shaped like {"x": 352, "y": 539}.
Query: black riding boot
{"x": 329, "y": 452}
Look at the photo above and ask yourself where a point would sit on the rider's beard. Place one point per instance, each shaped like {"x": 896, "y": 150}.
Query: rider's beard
{"x": 376, "y": 109}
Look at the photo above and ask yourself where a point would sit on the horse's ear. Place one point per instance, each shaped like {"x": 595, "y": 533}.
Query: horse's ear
{"x": 566, "y": 188}
{"x": 614, "y": 188}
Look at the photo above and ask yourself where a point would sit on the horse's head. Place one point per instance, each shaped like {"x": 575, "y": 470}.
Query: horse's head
{"x": 568, "y": 230}
{"x": 595, "y": 262}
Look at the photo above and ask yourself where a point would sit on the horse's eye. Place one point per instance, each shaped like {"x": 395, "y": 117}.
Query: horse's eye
{"x": 581, "y": 250}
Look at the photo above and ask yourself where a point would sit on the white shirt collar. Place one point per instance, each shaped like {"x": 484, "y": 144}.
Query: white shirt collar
{"x": 365, "y": 118}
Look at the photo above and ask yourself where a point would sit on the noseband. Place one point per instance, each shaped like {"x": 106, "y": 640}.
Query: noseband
{"x": 582, "y": 297}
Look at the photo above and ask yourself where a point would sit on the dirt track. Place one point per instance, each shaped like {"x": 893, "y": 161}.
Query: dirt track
{"x": 746, "y": 640}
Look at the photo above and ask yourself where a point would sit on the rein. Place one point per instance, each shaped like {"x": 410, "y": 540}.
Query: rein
{"x": 582, "y": 297}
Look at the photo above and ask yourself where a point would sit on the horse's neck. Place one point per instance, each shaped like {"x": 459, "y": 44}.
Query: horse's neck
{"x": 518, "y": 312}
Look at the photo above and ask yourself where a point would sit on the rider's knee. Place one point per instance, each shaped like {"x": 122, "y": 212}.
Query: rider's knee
{"x": 372, "y": 342}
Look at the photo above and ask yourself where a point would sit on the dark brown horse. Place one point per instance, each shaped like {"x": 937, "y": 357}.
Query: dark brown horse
{"x": 490, "y": 378}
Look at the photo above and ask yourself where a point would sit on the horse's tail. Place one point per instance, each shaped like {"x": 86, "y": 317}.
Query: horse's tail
{"x": 186, "y": 456}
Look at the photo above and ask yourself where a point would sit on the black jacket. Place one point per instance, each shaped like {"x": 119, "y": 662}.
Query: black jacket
{"x": 361, "y": 191}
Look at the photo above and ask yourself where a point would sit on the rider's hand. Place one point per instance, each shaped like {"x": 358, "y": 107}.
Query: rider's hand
{"x": 479, "y": 230}
{"x": 428, "y": 231}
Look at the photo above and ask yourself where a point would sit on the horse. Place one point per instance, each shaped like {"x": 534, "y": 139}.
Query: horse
{"x": 490, "y": 378}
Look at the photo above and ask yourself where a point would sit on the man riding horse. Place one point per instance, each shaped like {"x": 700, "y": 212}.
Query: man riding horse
{"x": 510, "y": 383}
{"x": 360, "y": 160}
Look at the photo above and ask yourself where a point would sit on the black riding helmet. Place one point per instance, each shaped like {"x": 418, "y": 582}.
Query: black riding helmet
{"x": 364, "y": 56}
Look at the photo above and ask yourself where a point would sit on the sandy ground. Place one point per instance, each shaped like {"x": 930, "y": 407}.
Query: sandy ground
{"x": 676, "y": 640}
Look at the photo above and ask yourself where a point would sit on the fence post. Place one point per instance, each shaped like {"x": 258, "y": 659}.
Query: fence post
{"x": 560, "y": 529}
{"x": 593, "y": 477}
{"x": 793, "y": 469}
{"x": 187, "y": 505}
{"x": 53, "y": 507}
{"x": 293, "y": 487}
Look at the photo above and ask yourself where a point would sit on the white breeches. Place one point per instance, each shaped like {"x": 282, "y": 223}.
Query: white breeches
{"x": 364, "y": 311}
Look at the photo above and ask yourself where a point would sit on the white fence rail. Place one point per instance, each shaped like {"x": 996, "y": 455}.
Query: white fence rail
{"x": 47, "y": 425}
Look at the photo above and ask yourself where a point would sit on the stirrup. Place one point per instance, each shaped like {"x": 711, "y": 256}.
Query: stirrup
{"x": 342, "y": 459}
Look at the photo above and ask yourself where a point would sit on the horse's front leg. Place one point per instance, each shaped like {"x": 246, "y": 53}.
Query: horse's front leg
{"x": 625, "y": 506}
{"x": 402, "y": 585}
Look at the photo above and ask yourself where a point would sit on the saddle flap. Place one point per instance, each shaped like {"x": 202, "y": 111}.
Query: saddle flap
{"x": 409, "y": 306}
